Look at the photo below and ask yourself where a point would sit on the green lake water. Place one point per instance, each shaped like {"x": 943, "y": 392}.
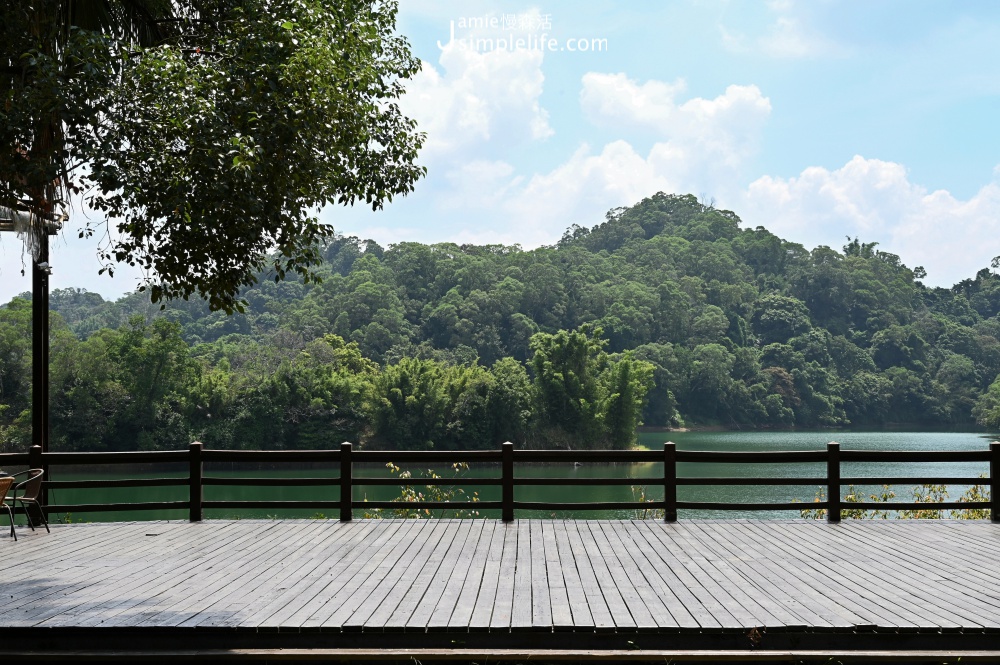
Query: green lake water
{"x": 642, "y": 473}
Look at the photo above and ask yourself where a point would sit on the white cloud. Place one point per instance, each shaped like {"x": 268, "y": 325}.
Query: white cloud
{"x": 478, "y": 97}
{"x": 706, "y": 140}
{"x": 480, "y": 183}
{"x": 872, "y": 199}
{"x": 509, "y": 208}
{"x": 581, "y": 189}
{"x": 481, "y": 197}
{"x": 860, "y": 195}
{"x": 735, "y": 42}
{"x": 704, "y": 144}
{"x": 700, "y": 146}
{"x": 876, "y": 201}
{"x": 789, "y": 36}
{"x": 615, "y": 98}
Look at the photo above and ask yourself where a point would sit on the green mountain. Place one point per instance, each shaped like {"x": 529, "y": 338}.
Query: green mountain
{"x": 735, "y": 326}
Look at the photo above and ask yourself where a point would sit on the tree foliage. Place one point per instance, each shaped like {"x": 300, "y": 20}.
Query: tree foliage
{"x": 208, "y": 131}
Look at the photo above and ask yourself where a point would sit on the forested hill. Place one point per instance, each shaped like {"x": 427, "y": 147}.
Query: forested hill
{"x": 740, "y": 326}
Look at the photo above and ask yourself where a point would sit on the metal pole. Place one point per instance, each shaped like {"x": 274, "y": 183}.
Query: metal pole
{"x": 40, "y": 353}
{"x": 40, "y": 346}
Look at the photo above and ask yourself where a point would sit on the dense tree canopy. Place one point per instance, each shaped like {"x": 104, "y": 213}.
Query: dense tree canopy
{"x": 208, "y": 131}
{"x": 667, "y": 313}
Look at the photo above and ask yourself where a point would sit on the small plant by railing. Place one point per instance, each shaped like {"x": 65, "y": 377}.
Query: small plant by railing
{"x": 412, "y": 500}
{"x": 650, "y": 512}
{"x": 929, "y": 494}
{"x": 931, "y": 500}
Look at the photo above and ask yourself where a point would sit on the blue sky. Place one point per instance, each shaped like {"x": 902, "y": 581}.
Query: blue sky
{"x": 817, "y": 120}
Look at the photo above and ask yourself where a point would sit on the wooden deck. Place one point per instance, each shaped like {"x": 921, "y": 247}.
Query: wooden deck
{"x": 527, "y": 584}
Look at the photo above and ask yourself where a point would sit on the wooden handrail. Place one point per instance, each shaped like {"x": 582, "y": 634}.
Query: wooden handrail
{"x": 915, "y": 456}
{"x": 344, "y": 459}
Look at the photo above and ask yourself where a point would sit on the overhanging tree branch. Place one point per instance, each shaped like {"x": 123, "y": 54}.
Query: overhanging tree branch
{"x": 208, "y": 166}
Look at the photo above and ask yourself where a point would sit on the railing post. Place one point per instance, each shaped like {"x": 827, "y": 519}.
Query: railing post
{"x": 995, "y": 482}
{"x": 195, "y": 476}
{"x": 507, "y": 476}
{"x": 669, "y": 482}
{"x": 36, "y": 460}
{"x": 346, "y": 484}
{"x": 833, "y": 482}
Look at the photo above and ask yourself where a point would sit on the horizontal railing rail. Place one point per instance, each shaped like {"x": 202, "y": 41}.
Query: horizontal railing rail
{"x": 139, "y": 457}
{"x": 344, "y": 460}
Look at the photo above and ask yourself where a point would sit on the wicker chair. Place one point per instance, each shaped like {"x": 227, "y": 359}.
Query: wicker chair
{"x": 30, "y": 490}
{"x": 5, "y": 484}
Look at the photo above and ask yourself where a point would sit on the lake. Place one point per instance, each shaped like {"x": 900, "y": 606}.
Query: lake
{"x": 720, "y": 441}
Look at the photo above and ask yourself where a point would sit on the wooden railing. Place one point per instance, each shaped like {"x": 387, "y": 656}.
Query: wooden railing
{"x": 507, "y": 458}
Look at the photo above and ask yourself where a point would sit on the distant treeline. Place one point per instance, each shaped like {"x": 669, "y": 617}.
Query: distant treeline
{"x": 417, "y": 346}
{"x": 142, "y": 387}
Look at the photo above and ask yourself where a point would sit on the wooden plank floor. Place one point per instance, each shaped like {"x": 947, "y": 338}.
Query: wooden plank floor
{"x": 532, "y": 576}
